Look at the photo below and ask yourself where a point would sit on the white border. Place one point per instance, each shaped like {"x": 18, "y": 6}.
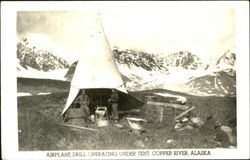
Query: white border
{"x": 9, "y": 130}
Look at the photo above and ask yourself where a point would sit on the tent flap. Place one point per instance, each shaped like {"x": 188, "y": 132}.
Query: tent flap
{"x": 72, "y": 95}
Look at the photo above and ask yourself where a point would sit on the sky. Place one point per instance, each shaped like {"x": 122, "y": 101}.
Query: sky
{"x": 205, "y": 32}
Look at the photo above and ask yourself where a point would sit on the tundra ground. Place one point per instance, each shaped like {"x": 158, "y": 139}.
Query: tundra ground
{"x": 39, "y": 115}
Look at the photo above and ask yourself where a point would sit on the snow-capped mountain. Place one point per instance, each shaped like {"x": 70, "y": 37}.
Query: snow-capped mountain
{"x": 38, "y": 59}
{"x": 185, "y": 60}
{"x": 217, "y": 84}
{"x": 150, "y": 71}
{"x": 220, "y": 81}
{"x": 181, "y": 71}
{"x": 227, "y": 62}
{"x": 36, "y": 63}
{"x": 146, "y": 61}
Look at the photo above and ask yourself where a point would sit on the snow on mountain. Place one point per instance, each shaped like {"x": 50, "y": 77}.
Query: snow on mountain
{"x": 146, "y": 61}
{"x": 150, "y": 71}
{"x": 221, "y": 81}
{"x": 35, "y": 63}
{"x": 204, "y": 84}
{"x": 181, "y": 71}
{"x": 38, "y": 59}
{"x": 215, "y": 84}
{"x": 29, "y": 72}
{"x": 184, "y": 60}
{"x": 227, "y": 62}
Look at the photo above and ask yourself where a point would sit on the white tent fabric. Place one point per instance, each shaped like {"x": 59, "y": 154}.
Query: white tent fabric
{"x": 96, "y": 67}
{"x": 72, "y": 95}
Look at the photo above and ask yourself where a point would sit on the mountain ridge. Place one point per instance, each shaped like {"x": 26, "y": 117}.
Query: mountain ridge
{"x": 41, "y": 60}
{"x": 179, "y": 71}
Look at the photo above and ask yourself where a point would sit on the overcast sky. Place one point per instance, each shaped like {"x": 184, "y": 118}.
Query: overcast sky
{"x": 206, "y": 32}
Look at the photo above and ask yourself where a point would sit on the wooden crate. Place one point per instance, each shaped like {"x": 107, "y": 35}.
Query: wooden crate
{"x": 160, "y": 115}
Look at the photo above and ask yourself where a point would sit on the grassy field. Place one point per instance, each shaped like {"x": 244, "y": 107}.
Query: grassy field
{"x": 38, "y": 118}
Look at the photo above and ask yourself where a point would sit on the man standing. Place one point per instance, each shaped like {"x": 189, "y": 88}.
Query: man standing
{"x": 84, "y": 102}
{"x": 114, "y": 98}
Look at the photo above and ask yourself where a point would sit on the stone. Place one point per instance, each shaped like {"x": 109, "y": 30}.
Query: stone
{"x": 232, "y": 147}
{"x": 197, "y": 121}
{"x": 139, "y": 143}
{"x": 170, "y": 141}
{"x": 228, "y": 131}
{"x": 177, "y": 126}
{"x": 185, "y": 120}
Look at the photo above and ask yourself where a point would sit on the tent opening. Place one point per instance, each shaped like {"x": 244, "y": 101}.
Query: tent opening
{"x": 99, "y": 97}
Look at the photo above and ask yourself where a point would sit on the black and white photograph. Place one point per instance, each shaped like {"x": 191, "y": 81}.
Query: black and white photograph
{"x": 126, "y": 80}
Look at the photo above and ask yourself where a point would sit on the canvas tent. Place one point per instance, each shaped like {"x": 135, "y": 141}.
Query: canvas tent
{"x": 96, "y": 72}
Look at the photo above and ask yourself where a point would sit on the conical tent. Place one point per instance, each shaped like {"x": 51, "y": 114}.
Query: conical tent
{"x": 97, "y": 73}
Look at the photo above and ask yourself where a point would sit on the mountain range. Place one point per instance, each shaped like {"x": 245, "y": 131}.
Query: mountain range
{"x": 181, "y": 71}
{"x": 42, "y": 60}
